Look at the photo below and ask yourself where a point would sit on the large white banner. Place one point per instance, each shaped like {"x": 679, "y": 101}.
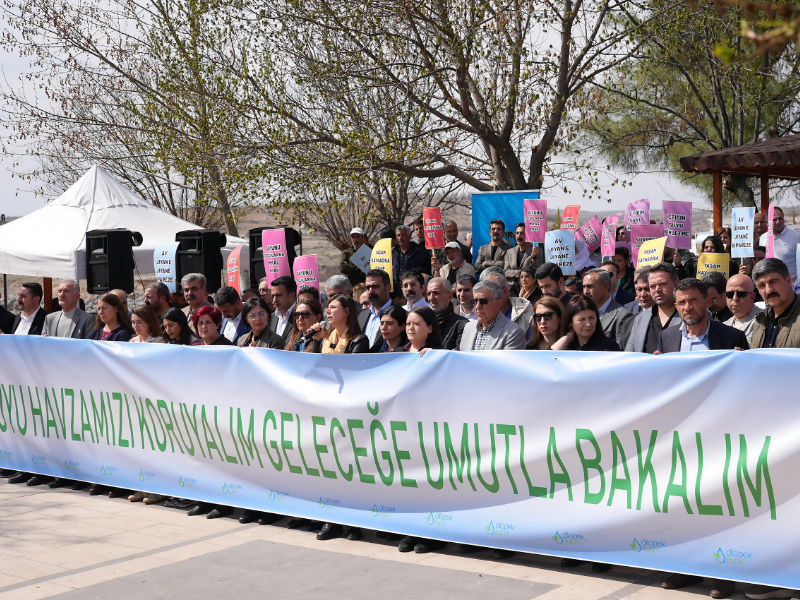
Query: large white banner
{"x": 682, "y": 462}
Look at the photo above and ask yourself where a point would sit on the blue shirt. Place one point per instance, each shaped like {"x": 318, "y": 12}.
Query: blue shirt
{"x": 693, "y": 344}
{"x": 373, "y": 328}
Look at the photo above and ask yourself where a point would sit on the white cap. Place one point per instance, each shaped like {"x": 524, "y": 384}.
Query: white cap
{"x": 453, "y": 245}
{"x": 357, "y": 230}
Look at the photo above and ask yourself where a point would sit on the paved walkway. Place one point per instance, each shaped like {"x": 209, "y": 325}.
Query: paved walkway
{"x": 69, "y": 545}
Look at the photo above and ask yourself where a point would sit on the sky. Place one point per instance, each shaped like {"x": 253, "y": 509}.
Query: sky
{"x": 17, "y": 199}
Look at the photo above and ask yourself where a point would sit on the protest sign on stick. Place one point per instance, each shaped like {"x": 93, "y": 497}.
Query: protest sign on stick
{"x": 742, "y": 225}
{"x": 608, "y": 243}
{"x": 636, "y": 213}
{"x": 535, "y": 220}
{"x": 677, "y": 223}
{"x": 382, "y": 257}
{"x": 713, "y": 262}
{"x": 276, "y": 261}
{"x": 651, "y": 252}
{"x": 559, "y": 246}
{"x": 232, "y": 269}
{"x": 306, "y": 271}
{"x": 590, "y": 233}
{"x": 641, "y": 234}
{"x": 432, "y": 225}
{"x": 569, "y": 220}
{"x": 164, "y": 259}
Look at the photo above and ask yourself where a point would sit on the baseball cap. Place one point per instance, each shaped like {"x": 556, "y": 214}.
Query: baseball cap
{"x": 452, "y": 245}
{"x": 357, "y": 230}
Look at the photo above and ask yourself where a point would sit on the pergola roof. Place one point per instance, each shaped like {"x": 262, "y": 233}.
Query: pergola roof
{"x": 777, "y": 157}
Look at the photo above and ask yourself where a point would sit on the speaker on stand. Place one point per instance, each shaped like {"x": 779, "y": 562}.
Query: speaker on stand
{"x": 109, "y": 260}
{"x": 199, "y": 251}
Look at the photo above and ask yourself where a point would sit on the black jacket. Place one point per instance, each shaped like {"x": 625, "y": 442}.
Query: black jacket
{"x": 720, "y": 337}
{"x": 418, "y": 258}
{"x": 120, "y": 334}
{"x": 358, "y": 345}
{"x": 269, "y": 339}
{"x": 36, "y": 327}
{"x": 287, "y": 331}
{"x": 6, "y": 321}
{"x": 603, "y": 344}
{"x": 451, "y": 326}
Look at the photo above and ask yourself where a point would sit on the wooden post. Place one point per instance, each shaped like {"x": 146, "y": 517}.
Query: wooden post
{"x": 717, "y": 198}
{"x": 764, "y": 193}
{"x": 48, "y": 294}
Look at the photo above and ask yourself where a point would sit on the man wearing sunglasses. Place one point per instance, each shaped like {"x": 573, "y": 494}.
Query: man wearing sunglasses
{"x": 492, "y": 330}
{"x": 740, "y": 294}
{"x": 785, "y": 242}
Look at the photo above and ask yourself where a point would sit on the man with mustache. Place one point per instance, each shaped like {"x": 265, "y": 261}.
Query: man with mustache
{"x": 30, "y": 321}
{"x": 196, "y": 294}
{"x": 378, "y": 287}
{"x": 779, "y": 325}
{"x": 493, "y": 254}
{"x": 414, "y": 289}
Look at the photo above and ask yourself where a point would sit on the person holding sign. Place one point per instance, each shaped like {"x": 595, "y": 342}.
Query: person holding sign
{"x": 698, "y": 333}
{"x": 347, "y": 267}
{"x": 523, "y": 254}
{"x": 407, "y": 255}
{"x": 785, "y": 241}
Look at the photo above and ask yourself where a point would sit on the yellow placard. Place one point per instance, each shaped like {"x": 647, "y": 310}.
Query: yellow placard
{"x": 708, "y": 263}
{"x": 382, "y": 257}
{"x": 651, "y": 252}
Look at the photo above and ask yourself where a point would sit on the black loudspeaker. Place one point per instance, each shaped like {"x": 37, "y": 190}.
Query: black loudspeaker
{"x": 257, "y": 272}
{"x": 199, "y": 251}
{"x": 109, "y": 259}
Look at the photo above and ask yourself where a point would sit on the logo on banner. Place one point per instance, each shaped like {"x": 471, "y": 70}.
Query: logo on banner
{"x": 731, "y": 557}
{"x": 107, "y": 470}
{"x": 438, "y": 519}
{"x": 231, "y": 488}
{"x": 186, "y": 481}
{"x": 277, "y": 496}
{"x": 382, "y": 511}
{"x": 37, "y": 460}
{"x": 146, "y": 476}
{"x": 499, "y": 529}
{"x": 6, "y": 455}
{"x": 570, "y": 539}
{"x": 647, "y": 546}
{"x": 71, "y": 465}
{"x": 328, "y": 503}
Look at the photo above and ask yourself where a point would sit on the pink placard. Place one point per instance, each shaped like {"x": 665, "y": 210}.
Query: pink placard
{"x": 232, "y": 278}
{"x": 608, "y": 241}
{"x": 306, "y": 271}
{"x": 770, "y": 216}
{"x": 678, "y": 223}
{"x": 276, "y": 261}
{"x": 535, "y": 220}
{"x": 636, "y": 213}
{"x": 640, "y": 234}
{"x": 590, "y": 233}
{"x": 770, "y": 236}
{"x": 569, "y": 220}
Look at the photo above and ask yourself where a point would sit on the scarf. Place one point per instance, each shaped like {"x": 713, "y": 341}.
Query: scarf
{"x": 333, "y": 344}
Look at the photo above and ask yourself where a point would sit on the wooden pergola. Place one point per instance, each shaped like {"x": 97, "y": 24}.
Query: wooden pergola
{"x": 778, "y": 158}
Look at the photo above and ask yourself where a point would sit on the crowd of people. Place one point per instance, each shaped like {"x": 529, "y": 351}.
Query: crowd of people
{"x": 510, "y": 300}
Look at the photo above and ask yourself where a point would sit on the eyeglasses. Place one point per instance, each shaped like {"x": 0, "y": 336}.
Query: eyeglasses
{"x": 546, "y": 316}
{"x": 305, "y": 315}
{"x": 259, "y": 315}
{"x": 483, "y": 301}
{"x": 738, "y": 294}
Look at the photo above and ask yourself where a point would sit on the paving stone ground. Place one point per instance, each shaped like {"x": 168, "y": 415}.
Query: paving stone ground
{"x": 67, "y": 545}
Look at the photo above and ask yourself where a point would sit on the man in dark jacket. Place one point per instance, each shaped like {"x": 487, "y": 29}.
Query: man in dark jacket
{"x": 717, "y": 284}
{"x": 451, "y": 325}
{"x": 30, "y": 320}
{"x": 6, "y": 319}
{"x": 347, "y": 267}
{"x": 698, "y": 332}
{"x": 407, "y": 255}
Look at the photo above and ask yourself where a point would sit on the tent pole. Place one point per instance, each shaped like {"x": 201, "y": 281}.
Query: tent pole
{"x": 717, "y": 197}
{"x": 5, "y": 291}
{"x": 48, "y": 294}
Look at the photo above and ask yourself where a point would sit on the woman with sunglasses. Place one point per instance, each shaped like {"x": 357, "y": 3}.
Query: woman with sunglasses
{"x": 307, "y": 313}
{"x": 583, "y": 329}
{"x": 393, "y": 330}
{"x": 548, "y": 317}
{"x": 256, "y": 313}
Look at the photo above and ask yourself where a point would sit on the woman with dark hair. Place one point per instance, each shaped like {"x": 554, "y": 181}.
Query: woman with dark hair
{"x": 345, "y": 335}
{"x": 305, "y": 314}
{"x": 583, "y": 329}
{"x": 112, "y": 323}
{"x": 528, "y": 288}
{"x": 176, "y": 327}
{"x": 715, "y": 245}
{"x": 621, "y": 234}
{"x": 724, "y": 234}
{"x": 207, "y": 321}
{"x": 144, "y": 322}
{"x": 256, "y": 313}
{"x": 393, "y": 330}
{"x": 548, "y": 321}
{"x": 422, "y": 330}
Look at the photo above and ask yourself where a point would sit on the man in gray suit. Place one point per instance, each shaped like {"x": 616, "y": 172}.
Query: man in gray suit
{"x": 70, "y": 321}
{"x": 492, "y": 330}
{"x": 524, "y": 254}
{"x": 493, "y": 254}
{"x": 615, "y": 319}
{"x": 648, "y": 324}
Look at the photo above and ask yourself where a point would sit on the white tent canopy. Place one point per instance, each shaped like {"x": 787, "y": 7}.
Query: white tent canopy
{"x": 51, "y": 242}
